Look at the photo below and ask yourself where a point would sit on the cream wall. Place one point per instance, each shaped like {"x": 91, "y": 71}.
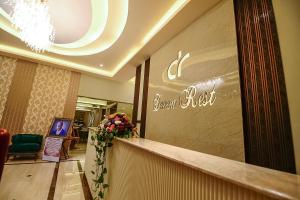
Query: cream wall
{"x": 125, "y": 108}
{"x": 214, "y": 129}
{"x": 106, "y": 89}
{"x": 288, "y": 25}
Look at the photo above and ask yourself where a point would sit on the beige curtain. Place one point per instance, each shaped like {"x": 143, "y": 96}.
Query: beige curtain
{"x": 47, "y": 99}
{"x": 18, "y": 96}
{"x": 7, "y": 69}
{"x": 69, "y": 111}
{"x": 31, "y": 95}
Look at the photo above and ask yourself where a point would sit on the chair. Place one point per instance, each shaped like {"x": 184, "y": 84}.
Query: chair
{"x": 4, "y": 140}
{"x": 66, "y": 147}
{"x": 75, "y": 137}
{"x": 25, "y": 144}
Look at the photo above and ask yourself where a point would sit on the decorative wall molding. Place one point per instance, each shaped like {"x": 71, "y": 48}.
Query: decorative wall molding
{"x": 267, "y": 129}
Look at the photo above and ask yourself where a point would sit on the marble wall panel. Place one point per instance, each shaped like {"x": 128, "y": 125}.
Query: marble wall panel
{"x": 209, "y": 75}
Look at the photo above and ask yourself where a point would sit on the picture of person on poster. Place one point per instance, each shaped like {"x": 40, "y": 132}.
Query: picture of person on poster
{"x": 59, "y": 131}
{"x": 60, "y": 127}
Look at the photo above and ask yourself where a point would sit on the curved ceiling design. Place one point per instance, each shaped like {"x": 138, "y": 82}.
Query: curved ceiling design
{"x": 99, "y": 14}
{"x": 115, "y": 45}
{"x": 108, "y": 22}
{"x": 71, "y": 19}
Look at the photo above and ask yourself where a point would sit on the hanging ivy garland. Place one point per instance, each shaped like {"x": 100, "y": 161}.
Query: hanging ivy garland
{"x": 115, "y": 125}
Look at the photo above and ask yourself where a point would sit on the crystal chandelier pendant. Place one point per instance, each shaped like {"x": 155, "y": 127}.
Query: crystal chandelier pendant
{"x": 32, "y": 19}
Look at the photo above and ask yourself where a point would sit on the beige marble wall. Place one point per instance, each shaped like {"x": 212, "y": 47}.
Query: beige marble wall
{"x": 125, "y": 108}
{"x": 288, "y": 26}
{"x": 212, "y": 67}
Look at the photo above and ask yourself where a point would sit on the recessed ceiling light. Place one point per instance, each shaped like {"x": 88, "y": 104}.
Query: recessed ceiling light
{"x": 101, "y": 65}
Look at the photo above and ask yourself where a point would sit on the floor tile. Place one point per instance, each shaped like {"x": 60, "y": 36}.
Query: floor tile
{"x": 26, "y": 181}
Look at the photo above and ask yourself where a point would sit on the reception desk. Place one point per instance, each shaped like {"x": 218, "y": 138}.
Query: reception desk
{"x": 144, "y": 169}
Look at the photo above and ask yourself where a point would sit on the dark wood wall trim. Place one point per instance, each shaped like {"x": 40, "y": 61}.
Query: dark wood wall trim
{"x": 145, "y": 98}
{"x": 136, "y": 94}
{"x": 267, "y": 129}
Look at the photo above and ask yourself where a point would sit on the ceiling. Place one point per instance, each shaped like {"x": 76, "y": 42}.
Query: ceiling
{"x": 87, "y": 104}
{"x": 77, "y": 25}
{"x": 105, "y": 37}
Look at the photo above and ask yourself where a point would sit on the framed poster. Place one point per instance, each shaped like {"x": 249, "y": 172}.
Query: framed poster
{"x": 52, "y": 149}
{"x": 60, "y": 127}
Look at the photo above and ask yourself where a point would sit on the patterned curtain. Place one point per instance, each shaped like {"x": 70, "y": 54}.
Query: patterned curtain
{"x": 7, "y": 69}
{"x": 47, "y": 99}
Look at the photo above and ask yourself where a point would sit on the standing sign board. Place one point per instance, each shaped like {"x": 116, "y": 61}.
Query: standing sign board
{"x": 52, "y": 149}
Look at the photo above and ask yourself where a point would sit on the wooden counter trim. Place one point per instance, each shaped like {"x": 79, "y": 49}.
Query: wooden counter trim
{"x": 272, "y": 183}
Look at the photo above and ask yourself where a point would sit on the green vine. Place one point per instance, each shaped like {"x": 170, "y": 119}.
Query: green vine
{"x": 116, "y": 125}
{"x": 101, "y": 142}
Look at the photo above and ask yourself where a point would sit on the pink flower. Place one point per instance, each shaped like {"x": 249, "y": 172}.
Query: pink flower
{"x": 117, "y": 122}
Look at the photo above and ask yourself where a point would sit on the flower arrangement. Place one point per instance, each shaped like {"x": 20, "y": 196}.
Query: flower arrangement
{"x": 119, "y": 125}
{"x": 115, "y": 125}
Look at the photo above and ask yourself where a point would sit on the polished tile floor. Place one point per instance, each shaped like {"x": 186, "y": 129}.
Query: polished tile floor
{"x": 26, "y": 179}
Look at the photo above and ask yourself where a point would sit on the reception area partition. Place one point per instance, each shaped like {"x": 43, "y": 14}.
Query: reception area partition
{"x": 145, "y": 169}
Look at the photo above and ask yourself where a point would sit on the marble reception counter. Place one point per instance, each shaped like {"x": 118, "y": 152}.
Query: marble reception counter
{"x": 263, "y": 180}
{"x": 240, "y": 178}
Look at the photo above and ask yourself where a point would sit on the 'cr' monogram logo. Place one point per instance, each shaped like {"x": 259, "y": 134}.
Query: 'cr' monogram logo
{"x": 177, "y": 63}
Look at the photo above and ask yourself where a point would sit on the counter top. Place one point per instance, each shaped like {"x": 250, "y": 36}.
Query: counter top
{"x": 93, "y": 128}
{"x": 270, "y": 182}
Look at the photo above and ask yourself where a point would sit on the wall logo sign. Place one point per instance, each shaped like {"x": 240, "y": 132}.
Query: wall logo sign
{"x": 177, "y": 64}
{"x": 192, "y": 96}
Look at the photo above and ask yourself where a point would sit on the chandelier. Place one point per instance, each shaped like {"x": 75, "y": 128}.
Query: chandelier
{"x": 32, "y": 19}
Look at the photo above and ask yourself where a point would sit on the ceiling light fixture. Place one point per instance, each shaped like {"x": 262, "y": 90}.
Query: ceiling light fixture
{"x": 32, "y": 19}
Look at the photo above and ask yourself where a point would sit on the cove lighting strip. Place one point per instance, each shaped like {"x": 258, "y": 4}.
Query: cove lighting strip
{"x": 175, "y": 8}
{"x": 57, "y": 61}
